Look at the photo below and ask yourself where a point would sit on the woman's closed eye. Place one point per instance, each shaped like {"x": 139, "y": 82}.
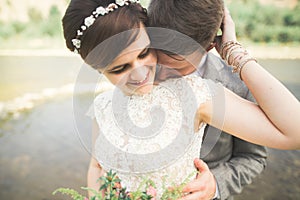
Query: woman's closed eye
{"x": 122, "y": 68}
{"x": 144, "y": 53}
{"x": 119, "y": 69}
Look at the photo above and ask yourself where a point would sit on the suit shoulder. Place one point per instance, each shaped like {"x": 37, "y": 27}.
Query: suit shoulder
{"x": 225, "y": 75}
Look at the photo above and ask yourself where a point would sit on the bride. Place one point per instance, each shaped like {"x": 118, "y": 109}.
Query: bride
{"x": 155, "y": 131}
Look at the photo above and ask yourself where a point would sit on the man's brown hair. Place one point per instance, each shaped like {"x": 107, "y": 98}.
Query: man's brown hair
{"x": 198, "y": 19}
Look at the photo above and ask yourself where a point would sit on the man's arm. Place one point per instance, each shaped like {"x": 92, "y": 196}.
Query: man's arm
{"x": 233, "y": 162}
{"x": 95, "y": 171}
{"x": 247, "y": 161}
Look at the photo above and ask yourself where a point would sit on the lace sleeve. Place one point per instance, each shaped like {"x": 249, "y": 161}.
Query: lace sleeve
{"x": 207, "y": 90}
{"x": 99, "y": 103}
{"x": 204, "y": 89}
{"x": 90, "y": 112}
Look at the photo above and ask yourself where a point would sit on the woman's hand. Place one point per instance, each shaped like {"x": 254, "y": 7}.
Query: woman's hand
{"x": 228, "y": 31}
{"x": 94, "y": 172}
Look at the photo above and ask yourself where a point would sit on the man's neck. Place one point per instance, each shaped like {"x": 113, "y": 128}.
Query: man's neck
{"x": 188, "y": 69}
{"x": 196, "y": 67}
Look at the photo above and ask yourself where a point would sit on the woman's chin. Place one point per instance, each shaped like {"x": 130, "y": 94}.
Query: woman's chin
{"x": 145, "y": 89}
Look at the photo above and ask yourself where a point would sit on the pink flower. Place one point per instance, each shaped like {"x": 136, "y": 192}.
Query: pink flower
{"x": 130, "y": 195}
{"x": 117, "y": 185}
{"x": 151, "y": 191}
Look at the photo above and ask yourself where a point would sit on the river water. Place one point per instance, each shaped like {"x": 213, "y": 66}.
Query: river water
{"x": 43, "y": 148}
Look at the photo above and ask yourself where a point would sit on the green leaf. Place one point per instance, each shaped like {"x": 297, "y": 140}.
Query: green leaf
{"x": 103, "y": 187}
{"x": 73, "y": 193}
{"x": 90, "y": 189}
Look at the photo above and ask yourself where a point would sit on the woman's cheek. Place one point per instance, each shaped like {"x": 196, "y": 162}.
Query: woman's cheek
{"x": 115, "y": 79}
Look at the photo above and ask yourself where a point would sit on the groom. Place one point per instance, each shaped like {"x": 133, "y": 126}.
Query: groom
{"x": 232, "y": 163}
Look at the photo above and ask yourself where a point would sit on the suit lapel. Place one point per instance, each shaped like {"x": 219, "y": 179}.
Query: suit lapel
{"x": 213, "y": 66}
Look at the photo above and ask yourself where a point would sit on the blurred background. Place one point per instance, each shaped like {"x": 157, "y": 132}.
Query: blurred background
{"x": 40, "y": 145}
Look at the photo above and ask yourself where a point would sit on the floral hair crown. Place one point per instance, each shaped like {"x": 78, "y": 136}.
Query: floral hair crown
{"x": 89, "y": 21}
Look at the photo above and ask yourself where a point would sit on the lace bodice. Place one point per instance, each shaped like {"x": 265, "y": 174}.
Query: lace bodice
{"x": 151, "y": 136}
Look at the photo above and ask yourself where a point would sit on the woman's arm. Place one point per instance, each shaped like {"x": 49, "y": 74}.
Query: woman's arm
{"x": 250, "y": 122}
{"x": 95, "y": 171}
{"x": 278, "y": 104}
{"x": 275, "y": 121}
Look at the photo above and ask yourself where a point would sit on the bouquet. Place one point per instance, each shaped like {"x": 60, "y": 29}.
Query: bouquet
{"x": 111, "y": 189}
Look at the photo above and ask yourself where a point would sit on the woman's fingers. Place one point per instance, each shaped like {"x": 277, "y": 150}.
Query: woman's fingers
{"x": 228, "y": 33}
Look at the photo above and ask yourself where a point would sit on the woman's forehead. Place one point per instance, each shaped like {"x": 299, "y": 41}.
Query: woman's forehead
{"x": 141, "y": 42}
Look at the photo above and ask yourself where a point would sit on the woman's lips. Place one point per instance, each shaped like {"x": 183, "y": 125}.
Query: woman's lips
{"x": 142, "y": 82}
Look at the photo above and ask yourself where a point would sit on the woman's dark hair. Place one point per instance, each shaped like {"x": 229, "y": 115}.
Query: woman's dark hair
{"x": 198, "y": 19}
{"x": 122, "y": 19}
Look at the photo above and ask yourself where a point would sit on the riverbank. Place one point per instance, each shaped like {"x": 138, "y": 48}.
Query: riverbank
{"x": 274, "y": 51}
{"x": 45, "y": 149}
{"x": 44, "y": 142}
{"x": 259, "y": 51}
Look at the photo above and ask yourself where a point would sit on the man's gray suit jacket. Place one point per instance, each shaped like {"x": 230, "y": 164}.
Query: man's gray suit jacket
{"x": 234, "y": 162}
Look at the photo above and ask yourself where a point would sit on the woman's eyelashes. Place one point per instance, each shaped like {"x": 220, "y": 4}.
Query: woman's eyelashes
{"x": 145, "y": 53}
{"x": 120, "y": 69}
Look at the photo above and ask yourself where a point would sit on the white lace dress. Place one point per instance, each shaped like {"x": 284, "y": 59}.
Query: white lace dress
{"x": 151, "y": 136}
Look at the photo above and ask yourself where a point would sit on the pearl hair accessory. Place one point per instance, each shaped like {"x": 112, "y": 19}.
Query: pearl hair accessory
{"x": 100, "y": 11}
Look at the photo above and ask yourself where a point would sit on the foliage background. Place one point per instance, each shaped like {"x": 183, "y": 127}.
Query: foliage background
{"x": 266, "y": 23}
{"x": 38, "y": 146}
{"x": 255, "y": 23}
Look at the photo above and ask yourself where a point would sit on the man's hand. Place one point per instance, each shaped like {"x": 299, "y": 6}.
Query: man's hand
{"x": 204, "y": 186}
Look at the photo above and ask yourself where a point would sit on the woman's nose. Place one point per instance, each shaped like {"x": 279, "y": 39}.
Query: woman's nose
{"x": 139, "y": 72}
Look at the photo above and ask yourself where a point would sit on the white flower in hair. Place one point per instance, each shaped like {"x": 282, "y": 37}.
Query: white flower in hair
{"x": 89, "y": 21}
{"x": 120, "y": 2}
{"x": 79, "y": 32}
{"x": 76, "y": 43}
{"x": 101, "y": 11}
{"x": 111, "y": 7}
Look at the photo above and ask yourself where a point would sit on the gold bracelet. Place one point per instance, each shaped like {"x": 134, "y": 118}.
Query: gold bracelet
{"x": 236, "y": 65}
{"x": 243, "y": 64}
{"x": 237, "y": 58}
{"x": 233, "y": 51}
{"x": 230, "y": 43}
{"x": 242, "y": 57}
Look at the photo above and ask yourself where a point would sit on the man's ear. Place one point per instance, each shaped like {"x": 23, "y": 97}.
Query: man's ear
{"x": 211, "y": 46}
